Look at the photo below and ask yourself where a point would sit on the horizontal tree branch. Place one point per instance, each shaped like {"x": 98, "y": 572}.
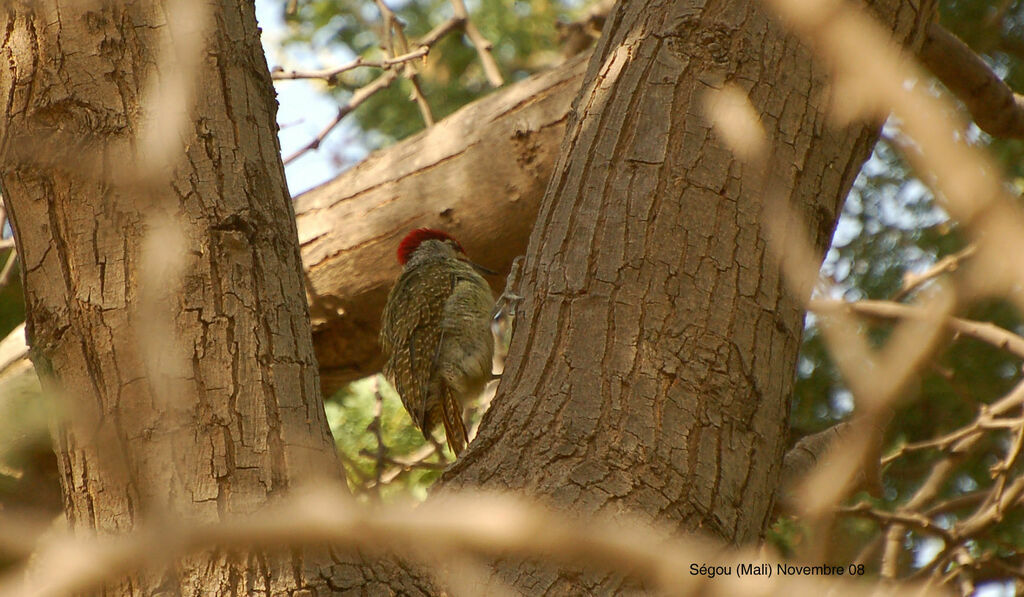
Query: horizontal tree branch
{"x": 989, "y": 333}
{"x": 995, "y": 108}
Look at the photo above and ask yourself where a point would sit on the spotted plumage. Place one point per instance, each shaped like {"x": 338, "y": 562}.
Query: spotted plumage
{"x": 435, "y": 333}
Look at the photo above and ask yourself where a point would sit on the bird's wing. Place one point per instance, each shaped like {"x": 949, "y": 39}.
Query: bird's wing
{"x": 411, "y": 335}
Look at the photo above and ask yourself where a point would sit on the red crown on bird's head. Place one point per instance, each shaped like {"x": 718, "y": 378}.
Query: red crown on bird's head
{"x": 412, "y": 241}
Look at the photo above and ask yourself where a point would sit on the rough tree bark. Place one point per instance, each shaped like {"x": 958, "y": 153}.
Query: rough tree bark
{"x": 652, "y": 368}
{"x": 650, "y": 371}
{"x": 187, "y": 398}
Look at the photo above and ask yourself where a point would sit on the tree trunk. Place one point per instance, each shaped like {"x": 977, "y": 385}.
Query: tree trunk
{"x": 165, "y": 299}
{"x": 651, "y": 369}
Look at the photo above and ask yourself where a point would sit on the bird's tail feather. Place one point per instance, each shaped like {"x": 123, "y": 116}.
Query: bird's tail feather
{"x": 451, "y": 416}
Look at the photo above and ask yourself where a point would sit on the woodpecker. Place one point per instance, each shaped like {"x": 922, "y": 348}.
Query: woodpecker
{"x": 435, "y": 333}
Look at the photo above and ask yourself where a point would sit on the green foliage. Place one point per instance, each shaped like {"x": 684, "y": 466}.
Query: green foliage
{"x": 350, "y": 413}
{"x": 25, "y": 411}
{"x": 12, "y": 303}
{"x": 523, "y": 33}
{"x": 786, "y": 534}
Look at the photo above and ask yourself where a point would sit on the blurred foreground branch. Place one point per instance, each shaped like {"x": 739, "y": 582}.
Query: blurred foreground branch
{"x": 441, "y": 530}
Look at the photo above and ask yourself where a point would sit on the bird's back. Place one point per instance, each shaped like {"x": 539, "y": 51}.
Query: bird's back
{"x": 411, "y": 334}
{"x": 436, "y": 334}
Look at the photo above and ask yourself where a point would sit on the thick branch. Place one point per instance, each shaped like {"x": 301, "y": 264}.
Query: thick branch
{"x": 996, "y": 109}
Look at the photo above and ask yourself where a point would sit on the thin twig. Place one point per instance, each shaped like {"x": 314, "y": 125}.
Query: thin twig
{"x": 375, "y": 428}
{"x": 5, "y": 273}
{"x": 949, "y": 263}
{"x": 963, "y": 438}
{"x": 910, "y": 519}
{"x": 416, "y": 460}
{"x": 418, "y": 97}
{"x": 986, "y": 332}
{"x": 435, "y": 34}
{"x": 395, "y": 42}
{"x": 403, "y": 464}
{"x": 361, "y": 95}
{"x": 482, "y": 45}
{"x": 330, "y": 74}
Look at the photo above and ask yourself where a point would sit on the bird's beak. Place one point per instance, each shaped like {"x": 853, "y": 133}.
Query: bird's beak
{"x": 483, "y": 270}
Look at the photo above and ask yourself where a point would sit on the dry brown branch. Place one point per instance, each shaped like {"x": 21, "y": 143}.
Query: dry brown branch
{"x": 417, "y": 96}
{"x": 330, "y": 74}
{"x": 409, "y": 463}
{"x": 482, "y": 45}
{"x": 956, "y": 443}
{"x": 419, "y": 459}
{"x": 441, "y": 30}
{"x": 361, "y": 95}
{"x": 910, "y": 519}
{"x": 962, "y": 439}
{"x": 394, "y": 44}
{"x": 948, "y": 264}
{"x": 983, "y": 331}
{"x": 996, "y": 109}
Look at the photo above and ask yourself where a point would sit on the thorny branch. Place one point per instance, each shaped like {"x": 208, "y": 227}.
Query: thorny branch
{"x": 399, "y": 54}
{"x": 361, "y": 95}
{"x": 394, "y": 43}
{"x": 330, "y": 75}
